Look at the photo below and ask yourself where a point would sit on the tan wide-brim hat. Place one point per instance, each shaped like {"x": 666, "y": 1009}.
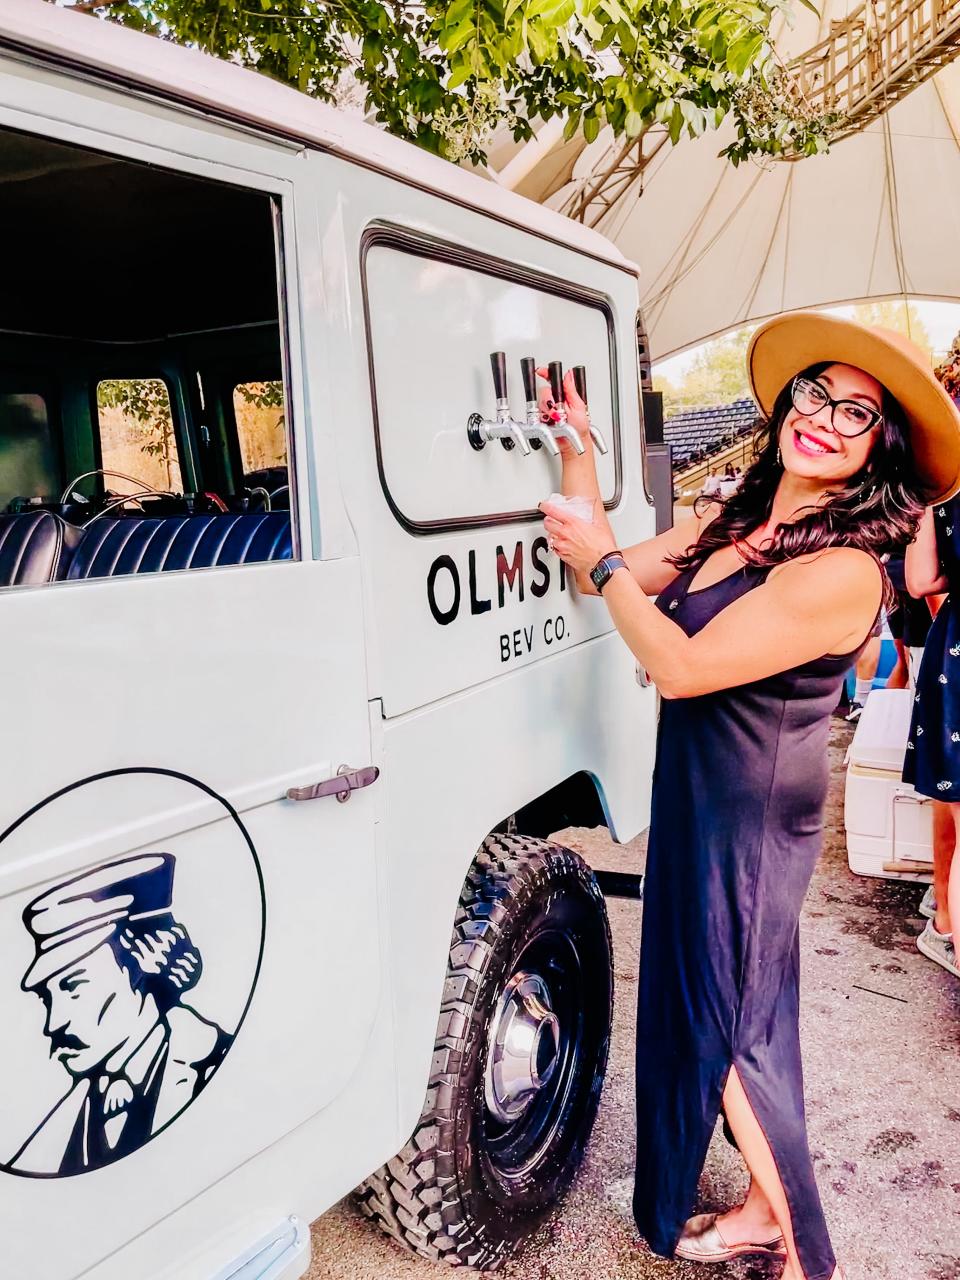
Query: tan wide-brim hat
{"x": 784, "y": 346}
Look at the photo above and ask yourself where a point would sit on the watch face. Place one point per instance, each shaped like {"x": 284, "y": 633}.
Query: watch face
{"x": 599, "y": 574}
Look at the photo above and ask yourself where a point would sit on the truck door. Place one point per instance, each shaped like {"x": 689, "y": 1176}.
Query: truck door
{"x": 189, "y": 966}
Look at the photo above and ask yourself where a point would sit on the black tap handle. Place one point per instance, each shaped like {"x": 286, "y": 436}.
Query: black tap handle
{"x": 556, "y": 381}
{"x": 528, "y": 368}
{"x": 580, "y": 381}
{"x": 498, "y": 363}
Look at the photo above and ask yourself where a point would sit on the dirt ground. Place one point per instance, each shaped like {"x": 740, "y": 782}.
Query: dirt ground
{"x": 881, "y": 1033}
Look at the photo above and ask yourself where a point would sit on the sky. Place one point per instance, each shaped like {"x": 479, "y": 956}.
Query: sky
{"x": 942, "y": 320}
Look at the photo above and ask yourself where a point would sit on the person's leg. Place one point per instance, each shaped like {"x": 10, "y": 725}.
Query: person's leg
{"x": 752, "y": 1221}
{"x": 945, "y": 819}
{"x": 866, "y": 669}
{"x": 867, "y": 665}
{"x": 953, "y": 881}
{"x": 899, "y": 676}
{"x": 758, "y": 1157}
{"x": 936, "y": 941}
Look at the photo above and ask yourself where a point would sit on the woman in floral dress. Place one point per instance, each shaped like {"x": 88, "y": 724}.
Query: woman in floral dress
{"x": 932, "y": 762}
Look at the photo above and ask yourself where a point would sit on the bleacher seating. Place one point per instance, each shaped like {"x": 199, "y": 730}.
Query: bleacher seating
{"x": 696, "y": 434}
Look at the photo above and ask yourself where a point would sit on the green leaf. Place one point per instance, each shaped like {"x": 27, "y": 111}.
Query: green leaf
{"x": 617, "y": 12}
{"x": 633, "y": 124}
{"x": 693, "y": 116}
{"x": 743, "y": 53}
{"x": 458, "y": 10}
{"x": 456, "y": 37}
{"x": 544, "y": 9}
{"x": 539, "y": 41}
{"x": 591, "y": 128}
{"x": 676, "y": 124}
{"x": 459, "y": 75}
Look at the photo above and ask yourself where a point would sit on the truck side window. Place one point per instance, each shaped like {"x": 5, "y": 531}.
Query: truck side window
{"x": 152, "y": 436}
{"x": 261, "y": 426}
{"x": 29, "y": 464}
{"x": 137, "y": 436}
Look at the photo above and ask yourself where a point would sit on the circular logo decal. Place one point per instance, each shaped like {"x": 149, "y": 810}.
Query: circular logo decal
{"x": 129, "y": 964}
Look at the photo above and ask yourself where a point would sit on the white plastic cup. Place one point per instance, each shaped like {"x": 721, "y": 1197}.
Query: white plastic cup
{"x": 582, "y": 508}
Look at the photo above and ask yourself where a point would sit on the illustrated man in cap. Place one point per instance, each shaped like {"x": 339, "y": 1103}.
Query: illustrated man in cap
{"x": 112, "y": 966}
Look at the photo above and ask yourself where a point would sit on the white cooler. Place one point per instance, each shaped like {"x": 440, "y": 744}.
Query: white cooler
{"x": 889, "y": 826}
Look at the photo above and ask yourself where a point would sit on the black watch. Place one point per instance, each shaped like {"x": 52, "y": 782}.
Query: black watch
{"x": 604, "y": 569}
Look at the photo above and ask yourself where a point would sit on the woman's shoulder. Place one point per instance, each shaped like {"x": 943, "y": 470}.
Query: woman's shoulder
{"x": 837, "y": 569}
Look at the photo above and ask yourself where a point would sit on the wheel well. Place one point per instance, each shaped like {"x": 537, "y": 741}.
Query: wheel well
{"x": 575, "y": 802}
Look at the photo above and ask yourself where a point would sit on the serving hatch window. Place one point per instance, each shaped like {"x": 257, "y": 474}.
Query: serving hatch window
{"x": 434, "y": 318}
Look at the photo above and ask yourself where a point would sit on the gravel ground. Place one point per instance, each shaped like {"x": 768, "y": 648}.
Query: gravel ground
{"x": 880, "y": 1032}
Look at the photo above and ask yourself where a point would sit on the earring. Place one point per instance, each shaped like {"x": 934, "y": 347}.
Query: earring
{"x": 779, "y": 459}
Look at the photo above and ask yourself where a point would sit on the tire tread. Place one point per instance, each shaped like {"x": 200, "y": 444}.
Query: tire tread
{"x": 414, "y": 1197}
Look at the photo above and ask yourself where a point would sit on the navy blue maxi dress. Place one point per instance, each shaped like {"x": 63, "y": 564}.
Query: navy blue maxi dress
{"x": 739, "y": 786}
{"x": 932, "y": 760}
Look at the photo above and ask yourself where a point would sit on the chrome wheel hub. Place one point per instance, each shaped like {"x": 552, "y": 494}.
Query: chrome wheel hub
{"x": 524, "y": 1047}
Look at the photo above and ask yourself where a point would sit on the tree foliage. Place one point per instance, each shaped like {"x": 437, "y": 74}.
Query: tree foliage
{"x": 716, "y": 375}
{"x": 444, "y": 73}
{"x": 903, "y": 317}
{"x": 146, "y": 401}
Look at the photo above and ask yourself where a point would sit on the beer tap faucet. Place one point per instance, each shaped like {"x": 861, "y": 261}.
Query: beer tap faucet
{"x": 580, "y": 382}
{"x": 538, "y": 432}
{"x": 562, "y": 427}
{"x": 503, "y": 427}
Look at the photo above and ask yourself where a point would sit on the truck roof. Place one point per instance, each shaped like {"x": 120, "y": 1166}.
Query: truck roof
{"x": 219, "y": 88}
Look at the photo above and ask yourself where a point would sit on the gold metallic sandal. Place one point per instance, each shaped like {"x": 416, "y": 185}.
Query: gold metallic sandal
{"x": 701, "y": 1241}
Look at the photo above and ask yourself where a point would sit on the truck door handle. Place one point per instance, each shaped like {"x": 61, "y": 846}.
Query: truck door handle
{"x": 347, "y": 779}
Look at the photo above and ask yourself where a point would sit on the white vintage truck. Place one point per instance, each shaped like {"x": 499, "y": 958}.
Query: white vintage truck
{"x": 294, "y": 689}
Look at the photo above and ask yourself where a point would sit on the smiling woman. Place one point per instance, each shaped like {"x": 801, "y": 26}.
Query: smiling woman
{"x": 764, "y": 599}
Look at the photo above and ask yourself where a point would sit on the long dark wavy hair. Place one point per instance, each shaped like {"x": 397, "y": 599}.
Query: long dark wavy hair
{"x": 878, "y": 509}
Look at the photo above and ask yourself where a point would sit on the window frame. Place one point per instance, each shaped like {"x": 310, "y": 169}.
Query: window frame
{"x": 194, "y": 157}
{"x": 185, "y": 460}
{"x": 230, "y": 386}
{"x": 381, "y": 234}
{"x": 48, "y": 392}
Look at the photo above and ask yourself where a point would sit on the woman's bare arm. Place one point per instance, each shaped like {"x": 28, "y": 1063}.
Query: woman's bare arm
{"x": 808, "y": 607}
{"x": 645, "y": 560}
{"x": 922, "y": 569}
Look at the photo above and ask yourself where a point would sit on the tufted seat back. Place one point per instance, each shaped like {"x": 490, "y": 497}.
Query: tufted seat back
{"x": 35, "y": 548}
{"x": 110, "y": 548}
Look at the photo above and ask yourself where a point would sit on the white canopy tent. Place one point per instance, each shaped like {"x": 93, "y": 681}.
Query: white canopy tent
{"x": 877, "y": 217}
{"x": 718, "y": 247}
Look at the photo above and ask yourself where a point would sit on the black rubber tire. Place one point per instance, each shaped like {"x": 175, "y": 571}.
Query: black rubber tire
{"x": 450, "y": 1194}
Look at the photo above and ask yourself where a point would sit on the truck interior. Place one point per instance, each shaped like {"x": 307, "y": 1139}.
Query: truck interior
{"x": 142, "y": 405}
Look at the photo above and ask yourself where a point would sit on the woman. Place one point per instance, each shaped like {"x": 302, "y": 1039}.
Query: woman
{"x": 763, "y": 602}
{"x": 932, "y": 761}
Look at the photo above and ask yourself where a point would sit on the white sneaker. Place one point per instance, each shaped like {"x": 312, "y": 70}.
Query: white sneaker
{"x": 855, "y": 712}
{"x": 928, "y": 904}
{"x": 939, "y": 948}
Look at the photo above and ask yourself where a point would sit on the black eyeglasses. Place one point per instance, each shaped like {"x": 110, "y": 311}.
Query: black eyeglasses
{"x": 853, "y": 418}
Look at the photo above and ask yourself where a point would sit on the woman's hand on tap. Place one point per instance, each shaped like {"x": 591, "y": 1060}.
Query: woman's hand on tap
{"x": 576, "y": 411}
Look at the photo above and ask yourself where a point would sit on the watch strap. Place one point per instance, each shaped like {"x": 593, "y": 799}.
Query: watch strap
{"x": 605, "y": 568}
